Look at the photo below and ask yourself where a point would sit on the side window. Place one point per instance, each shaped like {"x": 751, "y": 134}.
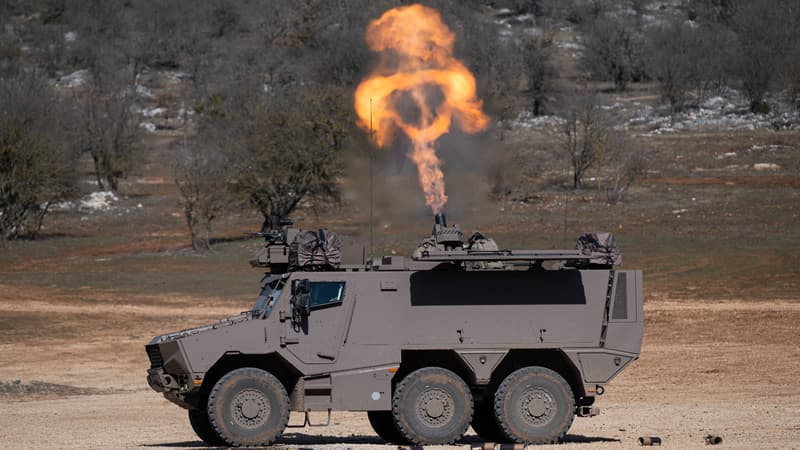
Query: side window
{"x": 326, "y": 293}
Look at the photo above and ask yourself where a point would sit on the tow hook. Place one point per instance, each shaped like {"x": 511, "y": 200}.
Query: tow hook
{"x": 588, "y": 411}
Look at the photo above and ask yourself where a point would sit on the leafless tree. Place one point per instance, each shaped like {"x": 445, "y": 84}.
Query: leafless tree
{"x": 767, "y": 33}
{"x": 37, "y": 162}
{"x": 110, "y": 132}
{"x": 669, "y": 62}
{"x": 584, "y": 134}
{"x": 624, "y": 162}
{"x": 201, "y": 175}
{"x": 284, "y": 147}
{"x": 613, "y": 49}
{"x": 540, "y": 71}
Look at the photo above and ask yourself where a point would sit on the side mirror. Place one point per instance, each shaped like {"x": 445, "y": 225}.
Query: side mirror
{"x": 301, "y": 296}
{"x": 301, "y": 286}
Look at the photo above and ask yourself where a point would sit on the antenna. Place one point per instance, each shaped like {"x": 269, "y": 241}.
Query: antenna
{"x": 371, "y": 254}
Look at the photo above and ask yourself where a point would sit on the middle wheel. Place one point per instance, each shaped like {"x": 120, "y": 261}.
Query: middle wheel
{"x": 432, "y": 406}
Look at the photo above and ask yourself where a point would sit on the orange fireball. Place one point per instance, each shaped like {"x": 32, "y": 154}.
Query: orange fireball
{"x": 417, "y": 53}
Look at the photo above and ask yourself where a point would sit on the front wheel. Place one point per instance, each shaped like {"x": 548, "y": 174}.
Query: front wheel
{"x": 432, "y": 406}
{"x": 534, "y": 405}
{"x": 248, "y": 407}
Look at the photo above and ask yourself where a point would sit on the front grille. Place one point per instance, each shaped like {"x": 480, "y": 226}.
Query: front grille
{"x": 154, "y": 353}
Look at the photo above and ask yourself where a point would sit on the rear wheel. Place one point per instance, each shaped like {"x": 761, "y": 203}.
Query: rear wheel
{"x": 248, "y": 407}
{"x": 198, "y": 418}
{"x": 383, "y": 424}
{"x": 484, "y": 423}
{"x": 432, "y": 406}
{"x": 534, "y": 405}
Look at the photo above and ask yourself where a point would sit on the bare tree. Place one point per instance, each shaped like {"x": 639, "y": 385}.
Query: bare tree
{"x": 111, "y": 134}
{"x": 37, "y": 163}
{"x": 201, "y": 174}
{"x": 767, "y": 33}
{"x": 540, "y": 71}
{"x": 613, "y": 49}
{"x": 624, "y": 162}
{"x": 285, "y": 147}
{"x": 669, "y": 62}
{"x": 584, "y": 134}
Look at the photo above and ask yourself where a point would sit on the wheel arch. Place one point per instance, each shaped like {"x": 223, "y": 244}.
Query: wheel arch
{"x": 411, "y": 360}
{"x": 270, "y": 362}
{"x": 552, "y": 359}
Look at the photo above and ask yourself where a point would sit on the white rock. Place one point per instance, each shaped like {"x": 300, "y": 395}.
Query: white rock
{"x": 766, "y": 166}
{"x": 73, "y": 80}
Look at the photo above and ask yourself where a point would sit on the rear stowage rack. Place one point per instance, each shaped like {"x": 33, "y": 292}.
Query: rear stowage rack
{"x": 502, "y": 255}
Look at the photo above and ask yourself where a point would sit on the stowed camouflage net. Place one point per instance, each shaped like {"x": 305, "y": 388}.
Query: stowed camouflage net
{"x": 315, "y": 250}
{"x": 602, "y": 247}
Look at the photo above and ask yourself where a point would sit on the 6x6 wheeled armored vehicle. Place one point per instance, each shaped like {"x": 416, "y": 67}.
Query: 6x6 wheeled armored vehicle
{"x": 515, "y": 343}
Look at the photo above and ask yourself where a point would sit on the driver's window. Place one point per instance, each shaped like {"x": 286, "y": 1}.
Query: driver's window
{"x": 326, "y": 293}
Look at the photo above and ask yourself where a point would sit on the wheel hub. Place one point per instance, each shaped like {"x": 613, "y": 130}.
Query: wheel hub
{"x": 435, "y": 407}
{"x": 537, "y": 406}
{"x": 250, "y": 409}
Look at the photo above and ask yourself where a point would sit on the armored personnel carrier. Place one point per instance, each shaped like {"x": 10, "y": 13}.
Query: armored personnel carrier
{"x": 515, "y": 343}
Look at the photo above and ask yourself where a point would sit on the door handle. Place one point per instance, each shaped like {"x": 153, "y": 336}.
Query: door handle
{"x": 285, "y": 341}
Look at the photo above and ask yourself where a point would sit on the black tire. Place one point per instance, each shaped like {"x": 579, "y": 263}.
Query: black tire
{"x": 248, "y": 407}
{"x": 432, "y": 406}
{"x": 198, "y": 418}
{"x": 485, "y": 424}
{"x": 383, "y": 424}
{"x": 534, "y": 405}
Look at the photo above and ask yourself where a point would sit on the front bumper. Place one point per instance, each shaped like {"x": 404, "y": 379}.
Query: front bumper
{"x": 172, "y": 388}
{"x": 160, "y": 381}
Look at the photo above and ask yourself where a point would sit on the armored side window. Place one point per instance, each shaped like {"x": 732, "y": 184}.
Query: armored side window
{"x": 326, "y": 293}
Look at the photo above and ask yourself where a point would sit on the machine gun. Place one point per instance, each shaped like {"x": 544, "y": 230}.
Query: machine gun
{"x": 275, "y": 236}
{"x": 275, "y": 254}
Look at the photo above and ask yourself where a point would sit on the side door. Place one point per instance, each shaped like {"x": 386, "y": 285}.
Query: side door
{"x": 315, "y": 334}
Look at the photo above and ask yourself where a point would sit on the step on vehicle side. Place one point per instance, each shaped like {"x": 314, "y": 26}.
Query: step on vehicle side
{"x": 515, "y": 343}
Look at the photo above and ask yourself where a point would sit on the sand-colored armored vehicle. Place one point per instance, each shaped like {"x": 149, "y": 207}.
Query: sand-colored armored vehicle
{"x": 515, "y": 343}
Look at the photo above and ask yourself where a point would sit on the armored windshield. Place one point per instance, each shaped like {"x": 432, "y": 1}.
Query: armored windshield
{"x": 266, "y": 300}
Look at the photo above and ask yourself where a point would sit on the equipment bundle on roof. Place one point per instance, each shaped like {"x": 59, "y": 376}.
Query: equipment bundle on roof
{"x": 315, "y": 250}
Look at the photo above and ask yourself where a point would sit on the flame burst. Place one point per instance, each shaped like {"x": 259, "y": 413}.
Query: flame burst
{"x": 417, "y": 54}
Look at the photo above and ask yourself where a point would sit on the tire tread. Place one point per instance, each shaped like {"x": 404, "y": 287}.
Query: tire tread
{"x": 214, "y": 394}
{"x": 543, "y": 372}
{"x": 407, "y": 382}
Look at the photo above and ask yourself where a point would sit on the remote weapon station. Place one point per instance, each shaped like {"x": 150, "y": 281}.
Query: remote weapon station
{"x": 515, "y": 343}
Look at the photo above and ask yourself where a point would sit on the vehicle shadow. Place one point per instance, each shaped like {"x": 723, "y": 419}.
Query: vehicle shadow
{"x": 317, "y": 439}
{"x": 580, "y": 439}
{"x": 302, "y": 441}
